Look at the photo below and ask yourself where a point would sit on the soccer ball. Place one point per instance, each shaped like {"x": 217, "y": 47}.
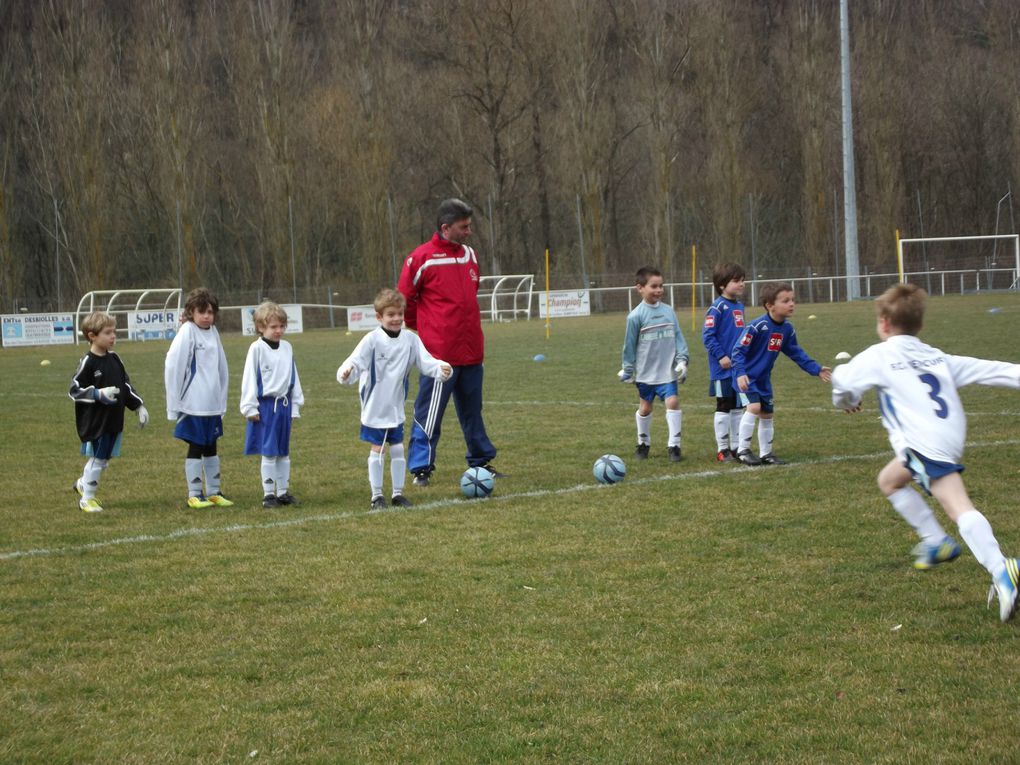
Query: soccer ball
{"x": 476, "y": 482}
{"x": 609, "y": 469}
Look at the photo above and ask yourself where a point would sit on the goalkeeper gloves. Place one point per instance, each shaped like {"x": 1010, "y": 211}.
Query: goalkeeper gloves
{"x": 143, "y": 417}
{"x": 681, "y": 371}
{"x": 107, "y": 395}
{"x": 624, "y": 376}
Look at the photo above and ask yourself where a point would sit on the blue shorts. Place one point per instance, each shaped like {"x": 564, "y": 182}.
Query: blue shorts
{"x": 104, "y": 447}
{"x": 380, "y": 436}
{"x": 723, "y": 389}
{"x": 751, "y": 396}
{"x": 648, "y": 392}
{"x": 199, "y": 430}
{"x": 270, "y": 436}
{"x": 925, "y": 470}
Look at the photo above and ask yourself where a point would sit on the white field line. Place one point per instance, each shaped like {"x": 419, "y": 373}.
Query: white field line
{"x": 41, "y": 552}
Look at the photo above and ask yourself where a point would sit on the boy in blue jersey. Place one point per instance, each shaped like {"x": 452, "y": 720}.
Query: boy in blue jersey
{"x": 754, "y": 355}
{"x": 655, "y": 358}
{"x": 724, "y": 324}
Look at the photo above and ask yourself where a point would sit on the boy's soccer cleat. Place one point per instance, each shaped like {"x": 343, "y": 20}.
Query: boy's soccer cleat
{"x": 90, "y": 505}
{"x": 287, "y": 499}
{"x": 219, "y": 500}
{"x": 1005, "y": 587}
{"x": 199, "y": 502}
{"x": 746, "y": 457}
{"x": 270, "y": 501}
{"x": 495, "y": 473}
{"x": 378, "y": 503}
{"x": 421, "y": 478}
{"x": 725, "y": 455}
{"x": 399, "y": 500}
{"x": 675, "y": 454}
{"x": 641, "y": 452}
{"x": 929, "y": 556}
{"x": 771, "y": 459}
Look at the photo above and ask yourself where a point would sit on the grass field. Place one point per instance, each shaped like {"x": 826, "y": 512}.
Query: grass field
{"x": 694, "y": 613}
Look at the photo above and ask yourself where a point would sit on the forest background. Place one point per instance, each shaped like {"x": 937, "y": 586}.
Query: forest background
{"x": 260, "y": 146}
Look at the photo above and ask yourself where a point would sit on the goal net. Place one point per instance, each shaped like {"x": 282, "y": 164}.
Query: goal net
{"x": 507, "y": 297}
{"x": 151, "y": 314}
{"x": 960, "y": 263}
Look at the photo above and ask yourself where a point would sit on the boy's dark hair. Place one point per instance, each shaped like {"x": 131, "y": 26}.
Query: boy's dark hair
{"x": 903, "y": 306}
{"x": 451, "y": 211}
{"x": 770, "y": 291}
{"x": 199, "y": 299}
{"x": 644, "y": 274}
{"x": 724, "y": 273}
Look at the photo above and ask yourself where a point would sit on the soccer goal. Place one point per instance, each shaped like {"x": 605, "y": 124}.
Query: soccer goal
{"x": 1014, "y": 271}
{"x": 508, "y": 298}
{"x": 151, "y": 314}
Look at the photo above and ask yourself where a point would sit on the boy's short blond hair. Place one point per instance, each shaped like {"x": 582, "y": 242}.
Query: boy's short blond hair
{"x": 388, "y": 298}
{"x": 95, "y": 323}
{"x": 902, "y": 305}
{"x": 266, "y": 312}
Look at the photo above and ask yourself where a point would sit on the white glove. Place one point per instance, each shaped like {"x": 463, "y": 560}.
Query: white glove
{"x": 623, "y": 375}
{"x": 107, "y": 395}
{"x": 681, "y": 371}
{"x": 143, "y": 416}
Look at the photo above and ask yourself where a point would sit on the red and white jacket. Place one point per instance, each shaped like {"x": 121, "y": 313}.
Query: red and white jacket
{"x": 439, "y": 280}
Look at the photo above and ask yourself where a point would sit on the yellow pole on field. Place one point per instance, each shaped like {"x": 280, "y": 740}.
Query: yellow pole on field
{"x": 694, "y": 287}
{"x": 899, "y": 254}
{"x": 548, "y": 318}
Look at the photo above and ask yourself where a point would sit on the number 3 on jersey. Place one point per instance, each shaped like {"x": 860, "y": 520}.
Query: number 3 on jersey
{"x": 941, "y": 407}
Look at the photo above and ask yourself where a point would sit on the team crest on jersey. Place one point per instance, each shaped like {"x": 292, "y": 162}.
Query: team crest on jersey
{"x": 709, "y": 321}
{"x": 738, "y": 318}
{"x": 97, "y": 374}
{"x": 473, "y": 274}
{"x": 745, "y": 340}
{"x": 775, "y": 342}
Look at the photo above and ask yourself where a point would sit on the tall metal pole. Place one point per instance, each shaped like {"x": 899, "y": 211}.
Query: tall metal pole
{"x": 853, "y": 266}
{"x": 580, "y": 242}
{"x": 293, "y": 261}
{"x": 180, "y": 252}
{"x": 56, "y": 238}
{"x": 393, "y": 237}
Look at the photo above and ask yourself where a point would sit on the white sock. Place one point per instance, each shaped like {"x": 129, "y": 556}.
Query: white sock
{"x": 735, "y": 417}
{"x": 375, "y": 472}
{"x": 268, "y": 476}
{"x": 89, "y": 481}
{"x": 747, "y": 423}
{"x": 211, "y": 467}
{"x": 282, "y": 475}
{"x": 398, "y": 468}
{"x": 721, "y": 423}
{"x": 644, "y": 428}
{"x": 766, "y": 432}
{"x": 674, "y": 421}
{"x": 915, "y": 511}
{"x": 977, "y": 533}
{"x": 193, "y": 474}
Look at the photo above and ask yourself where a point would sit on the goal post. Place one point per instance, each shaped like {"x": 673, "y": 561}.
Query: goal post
{"x": 126, "y": 304}
{"x": 507, "y": 296}
{"x": 1015, "y": 238}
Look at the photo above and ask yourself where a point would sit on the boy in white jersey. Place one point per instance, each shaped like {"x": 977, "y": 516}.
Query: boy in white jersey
{"x": 655, "y": 358}
{"x": 381, "y": 363}
{"x": 271, "y": 398}
{"x": 921, "y": 410}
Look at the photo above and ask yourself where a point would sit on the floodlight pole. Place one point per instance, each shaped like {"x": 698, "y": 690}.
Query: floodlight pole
{"x": 853, "y": 267}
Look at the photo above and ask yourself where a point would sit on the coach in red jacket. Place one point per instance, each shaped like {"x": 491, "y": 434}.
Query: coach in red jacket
{"x": 440, "y": 282}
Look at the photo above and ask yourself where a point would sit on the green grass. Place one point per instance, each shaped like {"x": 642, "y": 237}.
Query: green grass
{"x": 693, "y": 613}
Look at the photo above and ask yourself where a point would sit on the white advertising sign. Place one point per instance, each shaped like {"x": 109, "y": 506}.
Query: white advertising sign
{"x": 152, "y": 325}
{"x": 361, "y": 318}
{"x": 293, "y": 319}
{"x": 565, "y": 303}
{"x": 37, "y": 329}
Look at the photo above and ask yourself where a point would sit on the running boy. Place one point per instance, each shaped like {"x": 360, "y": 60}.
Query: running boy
{"x": 753, "y": 357}
{"x": 917, "y": 397}
{"x": 655, "y": 357}
{"x": 381, "y": 362}
{"x": 195, "y": 375}
{"x": 100, "y": 390}
{"x": 271, "y": 397}
{"x": 724, "y": 323}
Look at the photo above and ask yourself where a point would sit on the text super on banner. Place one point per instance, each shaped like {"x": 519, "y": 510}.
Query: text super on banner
{"x": 37, "y": 329}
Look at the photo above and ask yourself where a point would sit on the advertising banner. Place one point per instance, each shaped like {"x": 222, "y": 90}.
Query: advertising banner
{"x": 293, "y": 319}
{"x": 565, "y": 303}
{"x": 37, "y": 329}
{"x": 152, "y": 325}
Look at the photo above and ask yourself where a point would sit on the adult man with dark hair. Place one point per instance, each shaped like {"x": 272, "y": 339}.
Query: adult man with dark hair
{"x": 440, "y": 283}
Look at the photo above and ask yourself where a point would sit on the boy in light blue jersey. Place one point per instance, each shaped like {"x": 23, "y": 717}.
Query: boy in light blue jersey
{"x": 754, "y": 355}
{"x": 724, "y": 324}
{"x": 655, "y": 358}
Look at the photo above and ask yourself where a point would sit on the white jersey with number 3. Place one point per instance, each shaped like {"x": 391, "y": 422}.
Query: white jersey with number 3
{"x": 917, "y": 392}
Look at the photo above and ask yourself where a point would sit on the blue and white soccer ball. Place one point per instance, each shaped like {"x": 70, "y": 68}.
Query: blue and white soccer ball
{"x": 477, "y": 482}
{"x": 609, "y": 469}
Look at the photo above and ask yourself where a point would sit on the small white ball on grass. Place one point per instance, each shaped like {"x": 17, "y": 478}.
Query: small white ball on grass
{"x": 842, "y": 356}
{"x": 44, "y": 363}
{"x": 812, "y": 316}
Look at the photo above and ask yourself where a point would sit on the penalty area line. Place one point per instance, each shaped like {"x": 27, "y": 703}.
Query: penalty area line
{"x": 192, "y": 532}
